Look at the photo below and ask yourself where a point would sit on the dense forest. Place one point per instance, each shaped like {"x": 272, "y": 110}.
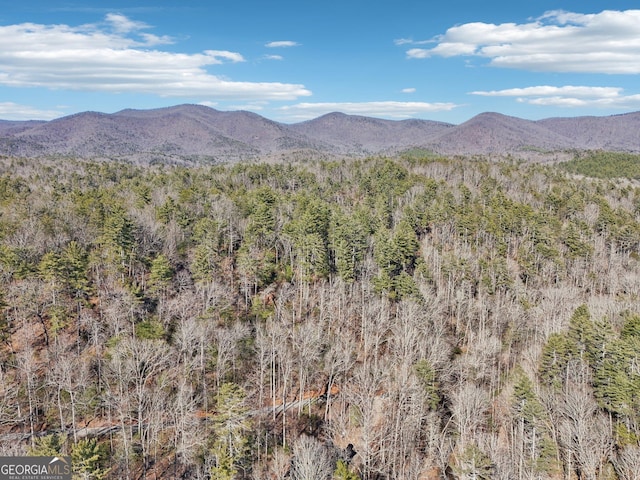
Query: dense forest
{"x": 407, "y": 318}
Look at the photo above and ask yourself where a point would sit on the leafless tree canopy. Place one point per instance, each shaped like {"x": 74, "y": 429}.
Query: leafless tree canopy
{"x": 416, "y": 318}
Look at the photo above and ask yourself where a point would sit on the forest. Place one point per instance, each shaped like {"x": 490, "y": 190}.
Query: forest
{"x": 415, "y": 317}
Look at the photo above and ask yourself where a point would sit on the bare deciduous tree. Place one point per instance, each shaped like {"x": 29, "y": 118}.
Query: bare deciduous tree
{"x": 469, "y": 404}
{"x": 135, "y": 364}
{"x": 311, "y": 460}
{"x": 584, "y": 432}
{"x": 627, "y": 462}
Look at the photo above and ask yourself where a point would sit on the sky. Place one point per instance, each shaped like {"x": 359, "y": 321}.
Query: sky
{"x": 292, "y": 61}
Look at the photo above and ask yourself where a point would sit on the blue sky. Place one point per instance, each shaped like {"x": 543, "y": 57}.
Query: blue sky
{"x": 291, "y": 61}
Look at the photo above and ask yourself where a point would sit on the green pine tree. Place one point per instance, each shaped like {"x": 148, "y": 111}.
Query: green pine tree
{"x": 428, "y": 379}
{"x": 343, "y": 472}
{"x": 532, "y": 421}
{"x": 51, "y": 270}
{"x": 230, "y": 426}
{"x": 348, "y": 238}
{"x": 48, "y": 446}
{"x": 160, "y": 274}
{"x": 88, "y": 459}
{"x": 75, "y": 263}
{"x": 472, "y": 464}
{"x": 556, "y": 354}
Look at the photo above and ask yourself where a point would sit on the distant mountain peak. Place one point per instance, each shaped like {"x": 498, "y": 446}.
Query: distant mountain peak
{"x": 200, "y": 133}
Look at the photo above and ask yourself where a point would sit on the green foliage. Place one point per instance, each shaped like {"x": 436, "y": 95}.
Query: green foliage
{"x": 118, "y": 238}
{"x": 143, "y": 195}
{"x": 48, "y": 446}
{"x": 18, "y": 262}
{"x": 311, "y": 256}
{"x": 12, "y": 189}
{"x": 404, "y": 286}
{"x": 88, "y": 459}
{"x": 525, "y": 403}
{"x": 75, "y": 263}
{"x": 533, "y": 421}
{"x": 575, "y": 240}
{"x": 556, "y": 354}
{"x": 495, "y": 275}
{"x": 348, "y": 240}
{"x": 343, "y": 472}
{"x": 624, "y": 436}
{"x": 167, "y": 211}
{"x": 260, "y": 247}
{"x": 230, "y": 426}
{"x": 90, "y": 205}
{"x": 631, "y": 326}
{"x": 160, "y": 274}
{"x": 50, "y": 267}
{"x": 405, "y": 245}
{"x": 582, "y": 331}
{"x": 59, "y": 318}
{"x": 259, "y": 310}
{"x": 213, "y": 241}
{"x": 605, "y": 165}
{"x": 386, "y": 179}
{"x": 262, "y": 217}
{"x": 309, "y": 234}
{"x": 257, "y": 265}
{"x": 472, "y": 463}
{"x": 395, "y": 251}
{"x": 428, "y": 379}
{"x": 613, "y": 360}
{"x": 150, "y": 330}
{"x": 617, "y": 374}
{"x": 67, "y": 269}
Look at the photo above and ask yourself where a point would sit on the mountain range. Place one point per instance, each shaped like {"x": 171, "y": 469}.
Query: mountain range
{"x": 199, "y": 133}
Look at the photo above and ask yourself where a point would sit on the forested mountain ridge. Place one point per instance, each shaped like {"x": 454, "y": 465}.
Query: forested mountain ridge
{"x": 195, "y": 133}
{"x": 422, "y": 318}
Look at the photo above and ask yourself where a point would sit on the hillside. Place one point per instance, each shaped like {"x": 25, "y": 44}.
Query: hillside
{"x": 616, "y": 132}
{"x": 352, "y": 134}
{"x": 197, "y": 133}
{"x": 377, "y": 319}
{"x": 169, "y": 134}
{"x": 493, "y": 133}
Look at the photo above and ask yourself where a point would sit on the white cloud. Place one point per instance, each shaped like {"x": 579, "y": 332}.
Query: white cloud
{"x": 122, "y": 24}
{"x": 96, "y": 58}
{"x": 622, "y": 102}
{"x": 409, "y": 41}
{"x": 273, "y": 57}
{"x": 252, "y": 107}
{"x": 281, "y": 44}
{"x": 558, "y": 41}
{"x": 408, "y": 90}
{"x": 546, "y": 90}
{"x": 223, "y": 54}
{"x": 395, "y": 110}
{"x": 569, "y": 102}
{"x": 568, "y": 96}
{"x": 14, "y": 111}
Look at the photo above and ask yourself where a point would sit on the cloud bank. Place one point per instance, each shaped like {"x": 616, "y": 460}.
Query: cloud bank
{"x": 386, "y": 109}
{"x": 115, "y": 56}
{"x": 558, "y": 41}
{"x": 15, "y": 111}
{"x": 568, "y": 96}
